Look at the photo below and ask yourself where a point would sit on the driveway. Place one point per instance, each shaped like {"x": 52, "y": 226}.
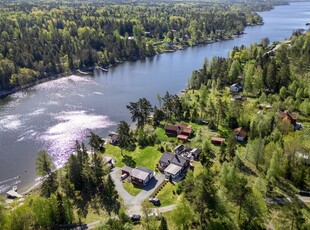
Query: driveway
{"x": 133, "y": 203}
{"x": 116, "y": 176}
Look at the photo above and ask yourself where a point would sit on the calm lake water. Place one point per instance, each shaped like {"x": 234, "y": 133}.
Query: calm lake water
{"x": 54, "y": 114}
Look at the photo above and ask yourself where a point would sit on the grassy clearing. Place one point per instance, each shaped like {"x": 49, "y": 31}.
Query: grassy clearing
{"x": 147, "y": 157}
{"x": 161, "y": 135}
{"x": 131, "y": 188}
{"x": 95, "y": 216}
{"x": 167, "y": 195}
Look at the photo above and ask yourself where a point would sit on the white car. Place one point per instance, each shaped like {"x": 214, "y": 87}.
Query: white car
{"x": 153, "y": 214}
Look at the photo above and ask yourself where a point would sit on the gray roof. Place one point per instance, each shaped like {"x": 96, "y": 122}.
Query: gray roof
{"x": 145, "y": 169}
{"x": 127, "y": 169}
{"x": 172, "y": 158}
{"x": 141, "y": 173}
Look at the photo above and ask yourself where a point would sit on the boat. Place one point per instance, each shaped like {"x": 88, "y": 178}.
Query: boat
{"x": 81, "y": 72}
{"x": 103, "y": 69}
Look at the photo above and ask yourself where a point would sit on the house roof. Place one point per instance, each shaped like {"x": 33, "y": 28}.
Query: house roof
{"x": 195, "y": 151}
{"x": 218, "y": 139}
{"x": 139, "y": 174}
{"x": 173, "y": 169}
{"x": 145, "y": 169}
{"x": 171, "y": 128}
{"x": 127, "y": 169}
{"x": 170, "y": 158}
{"x": 179, "y": 127}
{"x": 241, "y": 132}
{"x": 183, "y": 137}
{"x": 179, "y": 147}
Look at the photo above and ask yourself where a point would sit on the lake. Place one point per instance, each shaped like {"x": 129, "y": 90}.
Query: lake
{"x": 53, "y": 115}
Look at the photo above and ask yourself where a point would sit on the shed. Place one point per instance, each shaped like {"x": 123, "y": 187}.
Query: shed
{"x": 195, "y": 153}
{"x": 178, "y": 149}
{"x": 217, "y": 140}
{"x": 183, "y": 138}
{"x": 241, "y": 134}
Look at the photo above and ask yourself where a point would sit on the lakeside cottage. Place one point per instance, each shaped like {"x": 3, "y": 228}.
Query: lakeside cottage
{"x": 181, "y": 130}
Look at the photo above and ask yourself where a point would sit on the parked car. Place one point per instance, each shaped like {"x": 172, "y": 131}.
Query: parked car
{"x": 304, "y": 193}
{"x": 124, "y": 176}
{"x": 155, "y": 201}
{"x": 153, "y": 214}
{"x": 135, "y": 218}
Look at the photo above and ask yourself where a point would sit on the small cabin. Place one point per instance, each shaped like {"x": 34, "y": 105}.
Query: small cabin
{"x": 241, "y": 134}
{"x": 217, "y": 140}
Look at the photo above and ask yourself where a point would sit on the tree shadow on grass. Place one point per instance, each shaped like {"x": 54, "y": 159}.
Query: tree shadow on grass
{"x": 128, "y": 160}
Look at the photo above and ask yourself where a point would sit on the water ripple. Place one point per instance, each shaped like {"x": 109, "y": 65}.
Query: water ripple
{"x": 74, "y": 125}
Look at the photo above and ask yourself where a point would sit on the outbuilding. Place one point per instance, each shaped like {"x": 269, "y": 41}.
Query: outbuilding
{"x": 241, "y": 134}
{"x": 217, "y": 140}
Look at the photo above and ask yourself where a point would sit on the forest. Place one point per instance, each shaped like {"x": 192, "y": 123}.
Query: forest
{"x": 40, "y": 39}
{"x": 250, "y": 184}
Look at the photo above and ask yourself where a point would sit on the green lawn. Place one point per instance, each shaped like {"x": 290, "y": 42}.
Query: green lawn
{"x": 147, "y": 157}
{"x": 131, "y": 188}
{"x": 161, "y": 135}
{"x": 167, "y": 195}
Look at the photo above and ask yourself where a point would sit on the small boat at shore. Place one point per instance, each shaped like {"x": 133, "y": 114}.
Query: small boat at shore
{"x": 81, "y": 72}
{"x": 103, "y": 69}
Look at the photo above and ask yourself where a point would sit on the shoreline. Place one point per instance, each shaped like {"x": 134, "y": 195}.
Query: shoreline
{"x": 27, "y": 188}
{"x": 5, "y": 93}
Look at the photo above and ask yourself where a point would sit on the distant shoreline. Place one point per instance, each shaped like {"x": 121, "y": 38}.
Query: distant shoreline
{"x": 6, "y": 93}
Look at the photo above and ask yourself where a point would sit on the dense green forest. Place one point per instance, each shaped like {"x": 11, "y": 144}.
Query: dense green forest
{"x": 40, "y": 39}
{"x": 252, "y": 184}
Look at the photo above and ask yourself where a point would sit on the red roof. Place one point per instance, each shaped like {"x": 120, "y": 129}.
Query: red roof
{"x": 182, "y": 137}
{"x": 171, "y": 128}
{"x": 179, "y": 128}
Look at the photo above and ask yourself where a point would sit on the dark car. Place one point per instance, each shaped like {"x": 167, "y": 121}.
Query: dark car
{"x": 155, "y": 201}
{"x": 135, "y": 218}
{"x": 304, "y": 193}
